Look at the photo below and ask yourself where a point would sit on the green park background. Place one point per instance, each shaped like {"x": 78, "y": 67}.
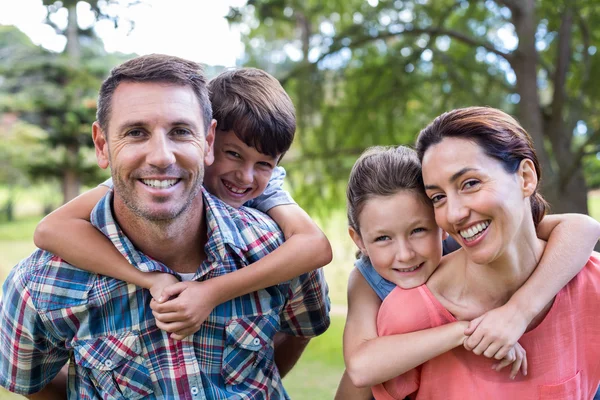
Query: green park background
{"x": 360, "y": 73}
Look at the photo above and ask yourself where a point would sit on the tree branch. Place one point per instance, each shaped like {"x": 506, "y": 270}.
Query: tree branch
{"x": 581, "y": 152}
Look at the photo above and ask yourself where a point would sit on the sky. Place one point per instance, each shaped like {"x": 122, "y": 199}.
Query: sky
{"x": 193, "y": 29}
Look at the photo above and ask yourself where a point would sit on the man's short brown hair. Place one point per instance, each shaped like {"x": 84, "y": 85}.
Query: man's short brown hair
{"x": 155, "y": 68}
{"x": 253, "y": 105}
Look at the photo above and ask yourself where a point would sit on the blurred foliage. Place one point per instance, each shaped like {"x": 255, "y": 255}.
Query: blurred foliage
{"x": 376, "y": 72}
{"x": 57, "y": 92}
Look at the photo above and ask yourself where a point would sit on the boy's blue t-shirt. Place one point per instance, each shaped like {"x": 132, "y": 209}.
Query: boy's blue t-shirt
{"x": 382, "y": 286}
{"x": 273, "y": 196}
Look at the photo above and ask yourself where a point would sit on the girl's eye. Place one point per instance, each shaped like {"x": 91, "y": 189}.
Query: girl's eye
{"x": 470, "y": 184}
{"x": 382, "y": 238}
{"x": 419, "y": 230}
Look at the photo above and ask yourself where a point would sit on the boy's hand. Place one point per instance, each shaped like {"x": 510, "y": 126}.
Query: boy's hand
{"x": 189, "y": 305}
{"x": 516, "y": 356}
{"x": 496, "y": 332}
{"x": 159, "y": 282}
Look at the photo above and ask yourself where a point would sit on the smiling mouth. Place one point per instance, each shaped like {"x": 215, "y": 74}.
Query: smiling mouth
{"x": 411, "y": 269}
{"x": 475, "y": 231}
{"x": 160, "y": 183}
{"x": 235, "y": 189}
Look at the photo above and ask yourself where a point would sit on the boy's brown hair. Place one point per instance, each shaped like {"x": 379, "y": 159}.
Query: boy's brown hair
{"x": 254, "y": 105}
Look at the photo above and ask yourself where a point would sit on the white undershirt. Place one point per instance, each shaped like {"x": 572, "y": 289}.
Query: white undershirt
{"x": 187, "y": 277}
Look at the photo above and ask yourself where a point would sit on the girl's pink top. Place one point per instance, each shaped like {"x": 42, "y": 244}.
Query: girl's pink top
{"x": 563, "y": 351}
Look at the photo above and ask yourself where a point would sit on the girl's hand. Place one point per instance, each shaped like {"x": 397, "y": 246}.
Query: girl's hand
{"x": 517, "y": 356}
{"x": 496, "y": 332}
{"x": 189, "y": 304}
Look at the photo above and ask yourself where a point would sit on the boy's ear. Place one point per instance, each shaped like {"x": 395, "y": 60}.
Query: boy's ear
{"x": 101, "y": 145}
{"x": 209, "y": 143}
{"x": 357, "y": 239}
{"x": 528, "y": 177}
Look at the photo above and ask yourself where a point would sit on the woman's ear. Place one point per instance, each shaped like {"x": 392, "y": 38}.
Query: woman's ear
{"x": 528, "y": 177}
{"x": 357, "y": 239}
{"x": 444, "y": 234}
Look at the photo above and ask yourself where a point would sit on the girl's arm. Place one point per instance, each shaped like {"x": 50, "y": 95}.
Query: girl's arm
{"x": 571, "y": 239}
{"x": 68, "y": 233}
{"x": 370, "y": 359}
{"x": 305, "y": 249}
{"x": 347, "y": 391}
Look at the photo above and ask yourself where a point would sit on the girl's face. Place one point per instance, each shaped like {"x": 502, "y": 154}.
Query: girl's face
{"x": 475, "y": 200}
{"x": 399, "y": 235}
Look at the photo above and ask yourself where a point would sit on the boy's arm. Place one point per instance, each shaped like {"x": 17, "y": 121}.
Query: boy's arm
{"x": 370, "y": 359}
{"x": 571, "y": 239}
{"x": 288, "y": 350}
{"x": 67, "y": 232}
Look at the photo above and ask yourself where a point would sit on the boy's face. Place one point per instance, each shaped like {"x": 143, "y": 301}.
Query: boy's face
{"x": 399, "y": 235}
{"x": 239, "y": 173}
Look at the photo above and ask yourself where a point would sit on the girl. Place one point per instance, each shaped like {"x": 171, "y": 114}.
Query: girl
{"x": 392, "y": 222}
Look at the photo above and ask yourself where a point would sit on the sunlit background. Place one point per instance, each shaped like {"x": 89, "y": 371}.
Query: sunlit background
{"x": 360, "y": 73}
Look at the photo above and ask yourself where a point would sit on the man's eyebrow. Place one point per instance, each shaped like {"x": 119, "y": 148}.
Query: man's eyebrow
{"x": 136, "y": 123}
{"x": 453, "y": 178}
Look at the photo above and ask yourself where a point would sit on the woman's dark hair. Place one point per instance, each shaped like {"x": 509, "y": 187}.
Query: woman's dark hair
{"x": 497, "y": 133}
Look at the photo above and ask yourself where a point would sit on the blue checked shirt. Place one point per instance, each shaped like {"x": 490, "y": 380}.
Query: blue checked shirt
{"x": 52, "y": 312}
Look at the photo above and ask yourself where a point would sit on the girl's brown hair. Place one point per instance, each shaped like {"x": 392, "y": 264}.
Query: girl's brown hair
{"x": 382, "y": 171}
{"x": 497, "y": 133}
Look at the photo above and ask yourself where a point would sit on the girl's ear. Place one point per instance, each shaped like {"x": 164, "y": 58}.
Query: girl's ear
{"x": 528, "y": 177}
{"x": 357, "y": 239}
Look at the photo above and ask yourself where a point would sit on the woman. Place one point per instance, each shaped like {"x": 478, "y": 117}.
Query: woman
{"x": 481, "y": 173}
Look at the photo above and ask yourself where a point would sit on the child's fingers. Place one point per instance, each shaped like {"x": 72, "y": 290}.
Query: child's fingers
{"x": 171, "y": 291}
{"x": 473, "y": 325}
{"x": 524, "y": 365}
{"x": 482, "y": 346}
{"x": 509, "y": 359}
{"x": 515, "y": 367}
{"x": 168, "y": 317}
{"x": 502, "y": 352}
{"x": 180, "y": 335}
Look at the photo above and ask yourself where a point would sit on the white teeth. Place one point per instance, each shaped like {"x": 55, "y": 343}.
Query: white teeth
{"x": 235, "y": 189}
{"x": 474, "y": 230}
{"x": 160, "y": 184}
{"x": 409, "y": 269}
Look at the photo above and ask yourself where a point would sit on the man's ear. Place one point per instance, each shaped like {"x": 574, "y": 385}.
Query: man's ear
{"x": 357, "y": 239}
{"x": 528, "y": 177}
{"x": 101, "y": 145}
{"x": 209, "y": 143}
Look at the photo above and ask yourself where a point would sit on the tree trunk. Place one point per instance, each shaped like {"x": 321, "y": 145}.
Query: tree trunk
{"x": 572, "y": 196}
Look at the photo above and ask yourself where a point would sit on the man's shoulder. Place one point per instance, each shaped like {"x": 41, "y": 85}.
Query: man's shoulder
{"x": 50, "y": 282}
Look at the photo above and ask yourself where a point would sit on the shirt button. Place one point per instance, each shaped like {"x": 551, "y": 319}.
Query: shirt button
{"x": 108, "y": 363}
{"x": 256, "y": 341}
{"x": 194, "y": 390}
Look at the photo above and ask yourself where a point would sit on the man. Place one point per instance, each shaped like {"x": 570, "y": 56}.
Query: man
{"x": 155, "y": 131}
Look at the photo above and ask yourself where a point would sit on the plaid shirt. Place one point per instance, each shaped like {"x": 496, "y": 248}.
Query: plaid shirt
{"x": 52, "y": 312}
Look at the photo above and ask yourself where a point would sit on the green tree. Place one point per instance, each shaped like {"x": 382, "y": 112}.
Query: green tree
{"x": 377, "y": 71}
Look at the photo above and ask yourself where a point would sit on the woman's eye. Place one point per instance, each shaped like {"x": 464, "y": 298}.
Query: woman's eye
{"x": 437, "y": 198}
{"x": 470, "y": 184}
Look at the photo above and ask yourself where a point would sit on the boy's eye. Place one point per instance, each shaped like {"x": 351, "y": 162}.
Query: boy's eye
{"x": 265, "y": 164}
{"x": 233, "y": 154}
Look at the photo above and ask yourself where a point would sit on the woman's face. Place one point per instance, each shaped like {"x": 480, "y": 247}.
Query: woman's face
{"x": 475, "y": 200}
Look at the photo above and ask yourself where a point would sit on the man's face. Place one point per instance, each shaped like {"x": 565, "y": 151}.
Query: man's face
{"x": 156, "y": 147}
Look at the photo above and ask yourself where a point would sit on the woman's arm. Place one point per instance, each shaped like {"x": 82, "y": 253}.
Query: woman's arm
{"x": 68, "y": 233}
{"x": 371, "y": 359}
{"x": 571, "y": 239}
